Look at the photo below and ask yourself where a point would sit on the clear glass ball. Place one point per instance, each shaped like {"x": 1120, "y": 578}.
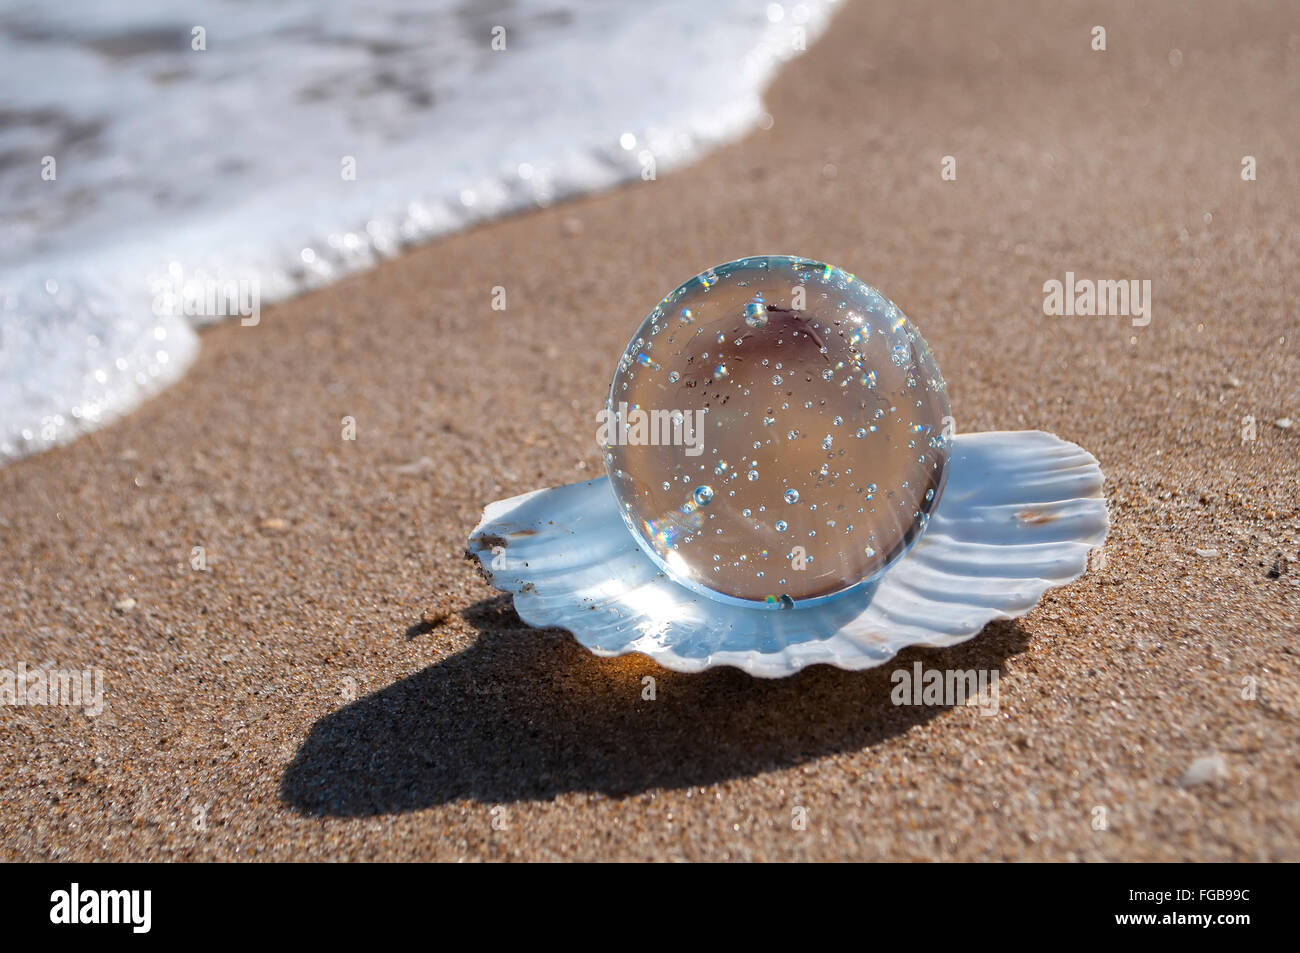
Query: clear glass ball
{"x": 777, "y": 432}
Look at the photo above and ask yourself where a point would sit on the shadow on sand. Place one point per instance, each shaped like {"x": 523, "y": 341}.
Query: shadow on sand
{"x": 528, "y": 714}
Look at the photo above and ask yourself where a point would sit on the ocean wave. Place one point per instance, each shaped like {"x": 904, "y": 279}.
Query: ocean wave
{"x": 162, "y": 174}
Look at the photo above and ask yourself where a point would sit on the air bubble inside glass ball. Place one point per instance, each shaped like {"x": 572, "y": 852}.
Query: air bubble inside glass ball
{"x": 775, "y": 432}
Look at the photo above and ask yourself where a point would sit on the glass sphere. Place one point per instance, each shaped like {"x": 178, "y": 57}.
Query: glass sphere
{"x": 777, "y": 432}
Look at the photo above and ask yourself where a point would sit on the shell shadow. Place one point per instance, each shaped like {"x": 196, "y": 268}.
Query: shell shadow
{"x": 528, "y": 714}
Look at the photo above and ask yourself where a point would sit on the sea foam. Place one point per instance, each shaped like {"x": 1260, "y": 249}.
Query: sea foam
{"x": 151, "y": 187}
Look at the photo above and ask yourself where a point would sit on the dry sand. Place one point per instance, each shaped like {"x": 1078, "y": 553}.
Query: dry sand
{"x": 335, "y": 574}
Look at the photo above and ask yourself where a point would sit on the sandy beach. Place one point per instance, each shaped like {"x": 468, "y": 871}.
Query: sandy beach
{"x": 337, "y": 683}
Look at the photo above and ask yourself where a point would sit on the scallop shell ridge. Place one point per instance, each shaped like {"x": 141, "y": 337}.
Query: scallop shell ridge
{"x": 1019, "y": 515}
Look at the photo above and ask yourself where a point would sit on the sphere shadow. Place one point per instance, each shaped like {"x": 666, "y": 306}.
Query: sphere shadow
{"x": 528, "y": 714}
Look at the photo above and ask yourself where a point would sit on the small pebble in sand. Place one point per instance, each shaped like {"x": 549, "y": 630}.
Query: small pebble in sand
{"x": 1283, "y": 423}
{"x": 416, "y": 468}
{"x": 434, "y": 617}
{"x": 1207, "y": 553}
{"x": 274, "y": 524}
{"x": 124, "y": 605}
{"x": 1234, "y": 381}
{"x": 1205, "y": 770}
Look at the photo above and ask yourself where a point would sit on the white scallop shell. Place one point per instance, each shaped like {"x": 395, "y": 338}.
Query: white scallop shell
{"x": 1019, "y": 515}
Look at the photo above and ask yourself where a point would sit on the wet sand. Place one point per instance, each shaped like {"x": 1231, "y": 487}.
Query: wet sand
{"x": 339, "y": 683}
